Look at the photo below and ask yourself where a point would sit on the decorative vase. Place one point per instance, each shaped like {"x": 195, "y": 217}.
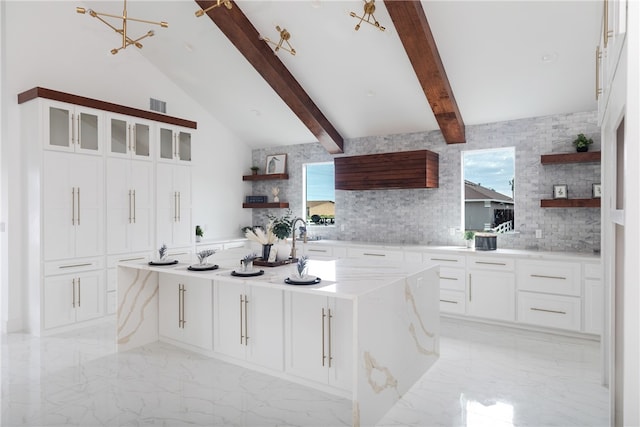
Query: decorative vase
{"x": 266, "y": 250}
{"x": 469, "y": 244}
{"x": 582, "y": 149}
{"x": 284, "y": 250}
{"x": 247, "y": 265}
{"x": 198, "y": 239}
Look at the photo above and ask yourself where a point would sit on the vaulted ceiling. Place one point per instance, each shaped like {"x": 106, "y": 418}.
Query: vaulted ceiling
{"x": 502, "y": 60}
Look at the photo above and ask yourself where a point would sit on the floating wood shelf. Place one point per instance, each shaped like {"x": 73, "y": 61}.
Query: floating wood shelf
{"x": 570, "y": 203}
{"x": 404, "y": 169}
{"x": 265, "y": 177}
{"x": 560, "y": 158}
{"x": 266, "y": 205}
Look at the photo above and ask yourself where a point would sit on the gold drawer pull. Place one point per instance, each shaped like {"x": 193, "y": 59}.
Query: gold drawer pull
{"x": 541, "y": 276}
{"x": 448, "y": 278}
{"x": 76, "y": 265}
{"x": 449, "y": 301}
{"x": 490, "y": 263}
{"x": 370, "y": 254}
{"x": 547, "y": 311}
{"x": 317, "y": 250}
{"x": 443, "y": 259}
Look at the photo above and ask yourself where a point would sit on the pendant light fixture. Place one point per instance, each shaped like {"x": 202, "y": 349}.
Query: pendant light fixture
{"x": 126, "y": 40}
{"x": 284, "y": 38}
{"x": 369, "y": 10}
{"x": 218, "y": 3}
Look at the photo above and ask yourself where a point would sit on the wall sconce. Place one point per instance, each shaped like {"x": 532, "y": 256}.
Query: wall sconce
{"x": 284, "y": 38}
{"x": 126, "y": 40}
{"x": 369, "y": 10}
{"x": 218, "y": 3}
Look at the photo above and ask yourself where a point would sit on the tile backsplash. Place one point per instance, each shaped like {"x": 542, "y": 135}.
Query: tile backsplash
{"x": 426, "y": 216}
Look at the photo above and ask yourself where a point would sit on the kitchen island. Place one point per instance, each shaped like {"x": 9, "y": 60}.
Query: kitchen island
{"x": 367, "y": 332}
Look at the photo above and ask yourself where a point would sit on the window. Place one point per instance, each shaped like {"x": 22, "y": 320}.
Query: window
{"x": 319, "y": 194}
{"x": 488, "y": 182}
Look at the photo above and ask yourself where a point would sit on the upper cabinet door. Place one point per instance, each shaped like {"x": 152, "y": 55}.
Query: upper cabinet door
{"x": 174, "y": 144}
{"x": 129, "y": 137}
{"x": 71, "y": 128}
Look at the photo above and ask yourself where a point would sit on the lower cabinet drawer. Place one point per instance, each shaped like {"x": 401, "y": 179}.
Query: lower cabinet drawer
{"x": 552, "y": 311}
{"x": 452, "y": 302}
{"x": 452, "y": 279}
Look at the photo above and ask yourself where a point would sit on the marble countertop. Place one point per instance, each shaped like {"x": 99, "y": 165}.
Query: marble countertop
{"x": 342, "y": 278}
{"x": 462, "y": 250}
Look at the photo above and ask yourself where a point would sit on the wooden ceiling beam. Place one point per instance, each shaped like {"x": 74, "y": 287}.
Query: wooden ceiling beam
{"x": 239, "y": 30}
{"x": 413, "y": 28}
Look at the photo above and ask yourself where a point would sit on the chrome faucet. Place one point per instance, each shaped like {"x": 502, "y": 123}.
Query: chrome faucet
{"x": 293, "y": 227}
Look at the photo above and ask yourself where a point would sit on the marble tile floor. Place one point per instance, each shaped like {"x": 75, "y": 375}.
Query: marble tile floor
{"x": 486, "y": 376}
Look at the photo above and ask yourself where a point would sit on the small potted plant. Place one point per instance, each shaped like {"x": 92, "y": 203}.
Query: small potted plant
{"x": 254, "y": 170}
{"x": 468, "y": 236}
{"x": 199, "y": 233}
{"x": 582, "y": 143}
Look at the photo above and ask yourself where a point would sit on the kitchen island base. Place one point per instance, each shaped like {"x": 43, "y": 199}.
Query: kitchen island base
{"x": 367, "y": 332}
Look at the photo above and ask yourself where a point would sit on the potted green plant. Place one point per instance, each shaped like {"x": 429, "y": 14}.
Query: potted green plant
{"x": 582, "y": 143}
{"x": 254, "y": 170}
{"x": 281, "y": 226}
{"x": 468, "y": 236}
{"x": 199, "y": 233}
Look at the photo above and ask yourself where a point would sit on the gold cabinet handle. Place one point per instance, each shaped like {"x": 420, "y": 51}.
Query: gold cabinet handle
{"x": 598, "y": 58}
{"x": 317, "y": 250}
{"x": 78, "y": 205}
{"x": 79, "y": 295}
{"x": 449, "y": 301}
{"x": 323, "y": 352}
{"x": 175, "y": 206}
{"x": 490, "y": 263}
{"x": 547, "y": 311}
{"x": 607, "y": 33}
{"x": 329, "y": 340}
{"x": 73, "y": 205}
{"x": 179, "y": 206}
{"x": 179, "y": 306}
{"x": 129, "y": 206}
{"x": 447, "y": 278}
{"x": 73, "y": 287}
{"x": 184, "y": 290}
{"x": 371, "y": 254}
{"x": 85, "y": 264}
{"x": 246, "y": 327}
{"x": 444, "y": 259}
{"x": 542, "y": 276}
{"x": 131, "y": 259}
{"x": 241, "y": 328}
{"x": 134, "y": 206}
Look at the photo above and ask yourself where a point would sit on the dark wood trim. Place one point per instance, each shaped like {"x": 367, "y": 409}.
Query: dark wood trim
{"x": 266, "y": 205}
{"x": 265, "y": 177}
{"x": 560, "y": 158}
{"x": 40, "y": 92}
{"x": 570, "y": 203}
{"x": 244, "y": 36}
{"x": 413, "y": 28}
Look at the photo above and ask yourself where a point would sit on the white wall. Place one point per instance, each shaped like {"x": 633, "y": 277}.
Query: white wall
{"x": 64, "y": 57}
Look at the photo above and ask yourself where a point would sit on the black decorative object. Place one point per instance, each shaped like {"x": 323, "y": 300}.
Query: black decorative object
{"x": 486, "y": 242}
{"x": 290, "y": 281}
{"x": 241, "y": 274}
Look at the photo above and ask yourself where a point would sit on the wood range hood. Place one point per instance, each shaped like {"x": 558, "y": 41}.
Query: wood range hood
{"x": 398, "y": 170}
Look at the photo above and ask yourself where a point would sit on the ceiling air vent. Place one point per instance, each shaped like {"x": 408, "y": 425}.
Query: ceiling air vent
{"x": 157, "y": 105}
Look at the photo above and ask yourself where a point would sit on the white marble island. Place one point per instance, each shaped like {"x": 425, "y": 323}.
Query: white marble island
{"x": 367, "y": 332}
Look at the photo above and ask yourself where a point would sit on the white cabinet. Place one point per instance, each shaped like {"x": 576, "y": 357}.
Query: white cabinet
{"x": 129, "y": 205}
{"x": 72, "y": 128}
{"x": 319, "y": 339}
{"x": 185, "y": 310}
{"x": 73, "y": 206}
{"x": 593, "y": 299}
{"x": 249, "y": 323}
{"x": 72, "y": 298}
{"x": 173, "y": 200}
{"x": 453, "y": 281}
{"x": 491, "y": 289}
{"x": 549, "y": 293}
{"x": 130, "y": 137}
{"x": 174, "y": 144}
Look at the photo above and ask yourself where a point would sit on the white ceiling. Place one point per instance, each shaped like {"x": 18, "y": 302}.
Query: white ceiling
{"x": 362, "y": 80}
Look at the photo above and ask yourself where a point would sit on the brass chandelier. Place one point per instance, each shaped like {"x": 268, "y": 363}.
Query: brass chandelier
{"x": 126, "y": 40}
{"x": 369, "y": 10}
{"x": 284, "y": 38}
{"x": 218, "y": 3}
